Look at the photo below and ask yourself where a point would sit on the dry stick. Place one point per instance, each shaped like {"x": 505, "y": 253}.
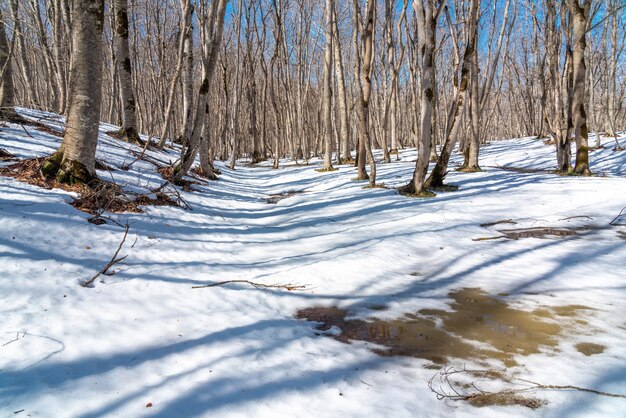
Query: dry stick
{"x": 445, "y": 377}
{"x": 288, "y": 286}
{"x": 503, "y": 221}
{"x": 570, "y": 387}
{"x": 575, "y": 217}
{"x": 617, "y": 217}
{"x": 489, "y": 238}
{"x": 111, "y": 263}
{"x": 17, "y": 338}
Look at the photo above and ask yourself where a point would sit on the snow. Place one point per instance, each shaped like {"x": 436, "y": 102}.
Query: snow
{"x": 145, "y": 336}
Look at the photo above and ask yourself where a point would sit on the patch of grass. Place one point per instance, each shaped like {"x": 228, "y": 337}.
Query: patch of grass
{"x": 504, "y": 399}
{"x": 446, "y": 188}
{"x": 376, "y": 186}
{"x": 326, "y": 170}
{"x": 426, "y": 194}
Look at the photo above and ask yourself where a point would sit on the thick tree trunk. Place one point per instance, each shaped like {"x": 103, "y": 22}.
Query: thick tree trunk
{"x": 580, "y": 17}
{"x": 74, "y": 162}
{"x": 7, "y": 92}
{"x": 344, "y": 133}
{"x": 427, "y": 17}
{"x": 327, "y": 94}
{"x": 471, "y": 160}
{"x": 364, "y": 55}
{"x": 124, "y": 68}
{"x": 212, "y": 30}
{"x": 457, "y": 106}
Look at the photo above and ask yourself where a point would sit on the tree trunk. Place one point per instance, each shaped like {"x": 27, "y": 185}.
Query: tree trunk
{"x": 427, "y": 16}
{"x": 457, "y": 107}
{"x": 327, "y": 94}
{"x": 344, "y": 133}
{"x": 74, "y": 162}
{"x": 580, "y": 17}
{"x": 124, "y": 68}
{"x": 212, "y": 30}
{"x": 7, "y": 92}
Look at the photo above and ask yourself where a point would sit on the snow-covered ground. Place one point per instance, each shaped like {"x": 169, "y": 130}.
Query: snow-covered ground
{"x": 144, "y": 336}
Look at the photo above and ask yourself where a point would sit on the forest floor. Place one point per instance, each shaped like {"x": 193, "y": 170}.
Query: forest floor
{"x": 542, "y": 301}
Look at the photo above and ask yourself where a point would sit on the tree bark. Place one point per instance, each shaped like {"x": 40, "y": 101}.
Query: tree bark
{"x": 457, "y": 107}
{"x": 124, "y": 68}
{"x": 212, "y": 31}
{"x": 327, "y": 93}
{"x": 74, "y": 162}
{"x": 580, "y": 17}
{"x": 7, "y": 92}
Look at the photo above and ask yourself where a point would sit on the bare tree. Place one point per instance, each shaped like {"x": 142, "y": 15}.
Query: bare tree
{"x": 7, "y": 95}
{"x": 74, "y": 162}
{"x": 125, "y": 69}
{"x": 580, "y": 21}
{"x": 212, "y": 28}
{"x": 364, "y": 56}
{"x": 327, "y": 95}
{"x": 427, "y": 14}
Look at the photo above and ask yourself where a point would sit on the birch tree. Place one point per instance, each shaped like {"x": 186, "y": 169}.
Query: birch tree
{"x": 212, "y": 28}
{"x": 7, "y": 94}
{"x": 124, "y": 68}
{"x": 327, "y": 94}
{"x": 74, "y": 162}
{"x": 427, "y": 14}
{"x": 580, "y": 11}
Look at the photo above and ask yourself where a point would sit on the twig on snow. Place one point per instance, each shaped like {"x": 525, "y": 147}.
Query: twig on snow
{"x": 488, "y": 238}
{"x": 448, "y": 389}
{"x": 27, "y": 133}
{"x": 502, "y": 221}
{"x": 111, "y": 263}
{"x": 288, "y": 286}
{"x": 621, "y": 213}
{"x": 17, "y": 337}
{"x": 575, "y": 217}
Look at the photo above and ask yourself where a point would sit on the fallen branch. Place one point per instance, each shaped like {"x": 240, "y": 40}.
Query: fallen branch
{"x": 570, "y": 387}
{"x": 111, "y": 263}
{"x": 575, "y": 217}
{"x": 458, "y": 391}
{"x": 621, "y": 213}
{"x": 17, "y": 338}
{"x": 290, "y": 287}
{"x": 503, "y": 221}
{"x": 489, "y": 238}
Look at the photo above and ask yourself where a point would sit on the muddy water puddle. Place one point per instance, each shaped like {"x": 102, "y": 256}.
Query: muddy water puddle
{"x": 477, "y": 326}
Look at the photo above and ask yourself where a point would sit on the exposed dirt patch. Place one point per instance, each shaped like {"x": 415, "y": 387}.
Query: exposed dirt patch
{"x": 504, "y": 399}
{"x": 29, "y": 171}
{"x": 590, "y": 349}
{"x": 94, "y": 198}
{"x": 516, "y": 234}
{"x": 168, "y": 174}
{"x": 477, "y": 327}
{"x": 275, "y": 198}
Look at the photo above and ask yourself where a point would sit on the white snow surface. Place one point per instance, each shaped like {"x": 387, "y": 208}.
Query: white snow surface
{"x": 145, "y": 336}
